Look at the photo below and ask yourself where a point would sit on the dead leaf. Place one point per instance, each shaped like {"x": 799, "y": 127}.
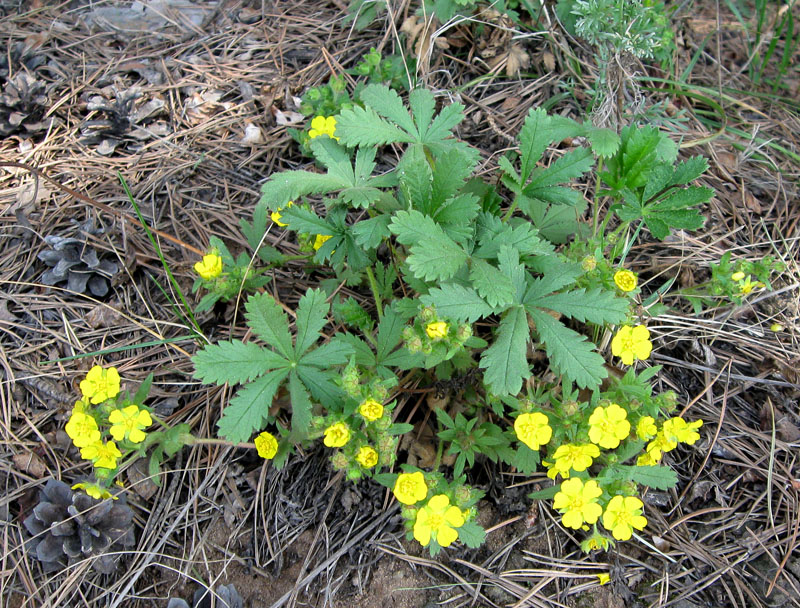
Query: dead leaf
{"x": 288, "y": 118}
{"x": 252, "y": 135}
{"x": 517, "y": 61}
{"x": 140, "y": 481}
{"x": 103, "y": 316}
{"x": 30, "y": 463}
{"x": 5, "y": 315}
{"x": 751, "y": 202}
{"x": 549, "y": 61}
{"x": 661, "y": 544}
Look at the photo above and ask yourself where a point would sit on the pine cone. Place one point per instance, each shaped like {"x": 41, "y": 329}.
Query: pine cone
{"x": 22, "y": 106}
{"x": 20, "y": 56}
{"x": 127, "y": 121}
{"x": 74, "y": 261}
{"x": 71, "y": 526}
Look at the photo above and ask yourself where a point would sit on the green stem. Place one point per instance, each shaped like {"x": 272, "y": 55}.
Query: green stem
{"x": 373, "y": 284}
{"x": 595, "y": 202}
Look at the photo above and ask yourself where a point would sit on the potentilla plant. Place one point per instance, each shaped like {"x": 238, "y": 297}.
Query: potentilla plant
{"x": 111, "y": 428}
{"x": 467, "y": 254}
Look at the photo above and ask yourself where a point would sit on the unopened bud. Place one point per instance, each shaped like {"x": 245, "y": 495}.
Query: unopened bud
{"x": 588, "y": 263}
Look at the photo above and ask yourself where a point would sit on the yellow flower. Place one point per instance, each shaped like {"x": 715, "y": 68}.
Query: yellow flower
{"x": 321, "y": 125}
{"x": 438, "y": 520}
{"x": 646, "y": 428}
{"x": 266, "y": 445}
{"x": 129, "y": 422}
{"x": 737, "y": 276}
{"x": 210, "y": 267}
{"x": 367, "y": 457}
{"x": 747, "y": 286}
{"x": 410, "y": 488}
{"x": 632, "y": 343}
{"x": 776, "y": 327}
{"x": 275, "y": 216}
{"x": 102, "y": 455}
{"x": 649, "y": 459}
{"x": 320, "y": 241}
{"x": 625, "y": 280}
{"x": 437, "y": 330}
{"x": 578, "y": 502}
{"x": 82, "y": 429}
{"x": 608, "y": 426}
{"x": 95, "y": 491}
{"x": 336, "y": 435}
{"x": 533, "y": 429}
{"x": 623, "y": 514}
{"x": 603, "y": 578}
{"x": 574, "y": 456}
{"x": 678, "y": 430}
{"x": 100, "y": 384}
{"x": 660, "y": 444}
{"x": 371, "y": 410}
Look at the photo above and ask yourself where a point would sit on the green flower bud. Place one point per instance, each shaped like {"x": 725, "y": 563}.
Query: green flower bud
{"x": 427, "y": 314}
{"x": 378, "y": 391}
{"x": 414, "y": 345}
{"x": 383, "y": 423}
{"x": 588, "y": 263}
{"x": 339, "y": 461}
{"x": 462, "y": 495}
{"x": 354, "y": 474}
{"x": 464, "y": 332}
{"x": 570, "y": 408}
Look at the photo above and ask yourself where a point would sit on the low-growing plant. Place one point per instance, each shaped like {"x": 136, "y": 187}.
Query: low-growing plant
{"x": 467, "y": 250}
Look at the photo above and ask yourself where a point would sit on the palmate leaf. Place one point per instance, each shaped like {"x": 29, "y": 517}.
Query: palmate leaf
{"x": 457, "y": 302}
{"x": 492, "y": 285}
{"x": 436, "y": 258}
{"x": 269, "y": 323}
{"x": 364, "y": 127}
{"x": 505, "y": 360}
{"x": 312, "y": 310}
{"x": 570, "y": 353}
{"x": 234, "y": 362}
{"x": 570, "y": 166}
{"x": 538, "y": 132}
{"x": 595, "y": 306}
{"x": 249, "y": 408}
{"x": 301, "y": 408}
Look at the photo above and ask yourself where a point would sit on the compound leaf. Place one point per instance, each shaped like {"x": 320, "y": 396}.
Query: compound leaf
{"x": 269, "y": 323}
{"x": 249, "y": 408}
{"x": 505, "y": 360}
{"x": 234, "y": 362}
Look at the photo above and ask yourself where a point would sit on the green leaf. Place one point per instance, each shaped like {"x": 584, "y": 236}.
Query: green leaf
{"x": 390, "y": 331}
{"x": 335, "y": 352}
{"x": 570, "y": 353}
{"x": 595, "y": 306}
{"x": 456, "y": 302}
{"x": 305, "y": 220}
{"x": 436, "y": 259}
{"x": 312, "y": 310}
{"x": 248, "y": 410}
{"x": 570, "y": 166}
{"x": 526, "y": 459}
{"x": 290, "y": 185}
{"x": 657, "y": 477}
{"x": 144, "y": 390}
{"x": 689, "y": 170}
{"x": 363, "y": 127}
{"x": 533, "y": 141}
{"x": 388, "y": 104}
{"x": 452, "y": 171}
{"x": 423, "y": 105}
{"x": 410, "y": 227}
{"x": 682, "y": 198}
{"x": 471, "y": 534}
{"x": 370, "y": 233}
{"x": 505, "y": 360}
{"x": 234, "y": 362}
{"x": 321, "y": 385}
{"x": 556, "y": 223}
{"x": 269, "y": 322}
{"x": 492, "y": 285}
{"x": 400, "y": 428}
{"x": 546, "y": 493}
{"x": 604, "y": 142}
{"x": 301, "y": 408}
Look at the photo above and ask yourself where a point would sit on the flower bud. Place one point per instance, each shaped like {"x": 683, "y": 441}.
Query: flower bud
{"x": 339, "y": 461}
{"x": 462, "y": 495}
{"x": 588, "y": 263}
{"x": 427, "y": 314}
{"x": 414, "y": 345}
{"x": 464, "y": 332}
{"x": 570, "y": 408}
{"x": 354, "y": 474}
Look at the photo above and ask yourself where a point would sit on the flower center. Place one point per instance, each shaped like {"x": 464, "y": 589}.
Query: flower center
{"x": 628, "y": 343}
{"x": 436, "y": 521}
